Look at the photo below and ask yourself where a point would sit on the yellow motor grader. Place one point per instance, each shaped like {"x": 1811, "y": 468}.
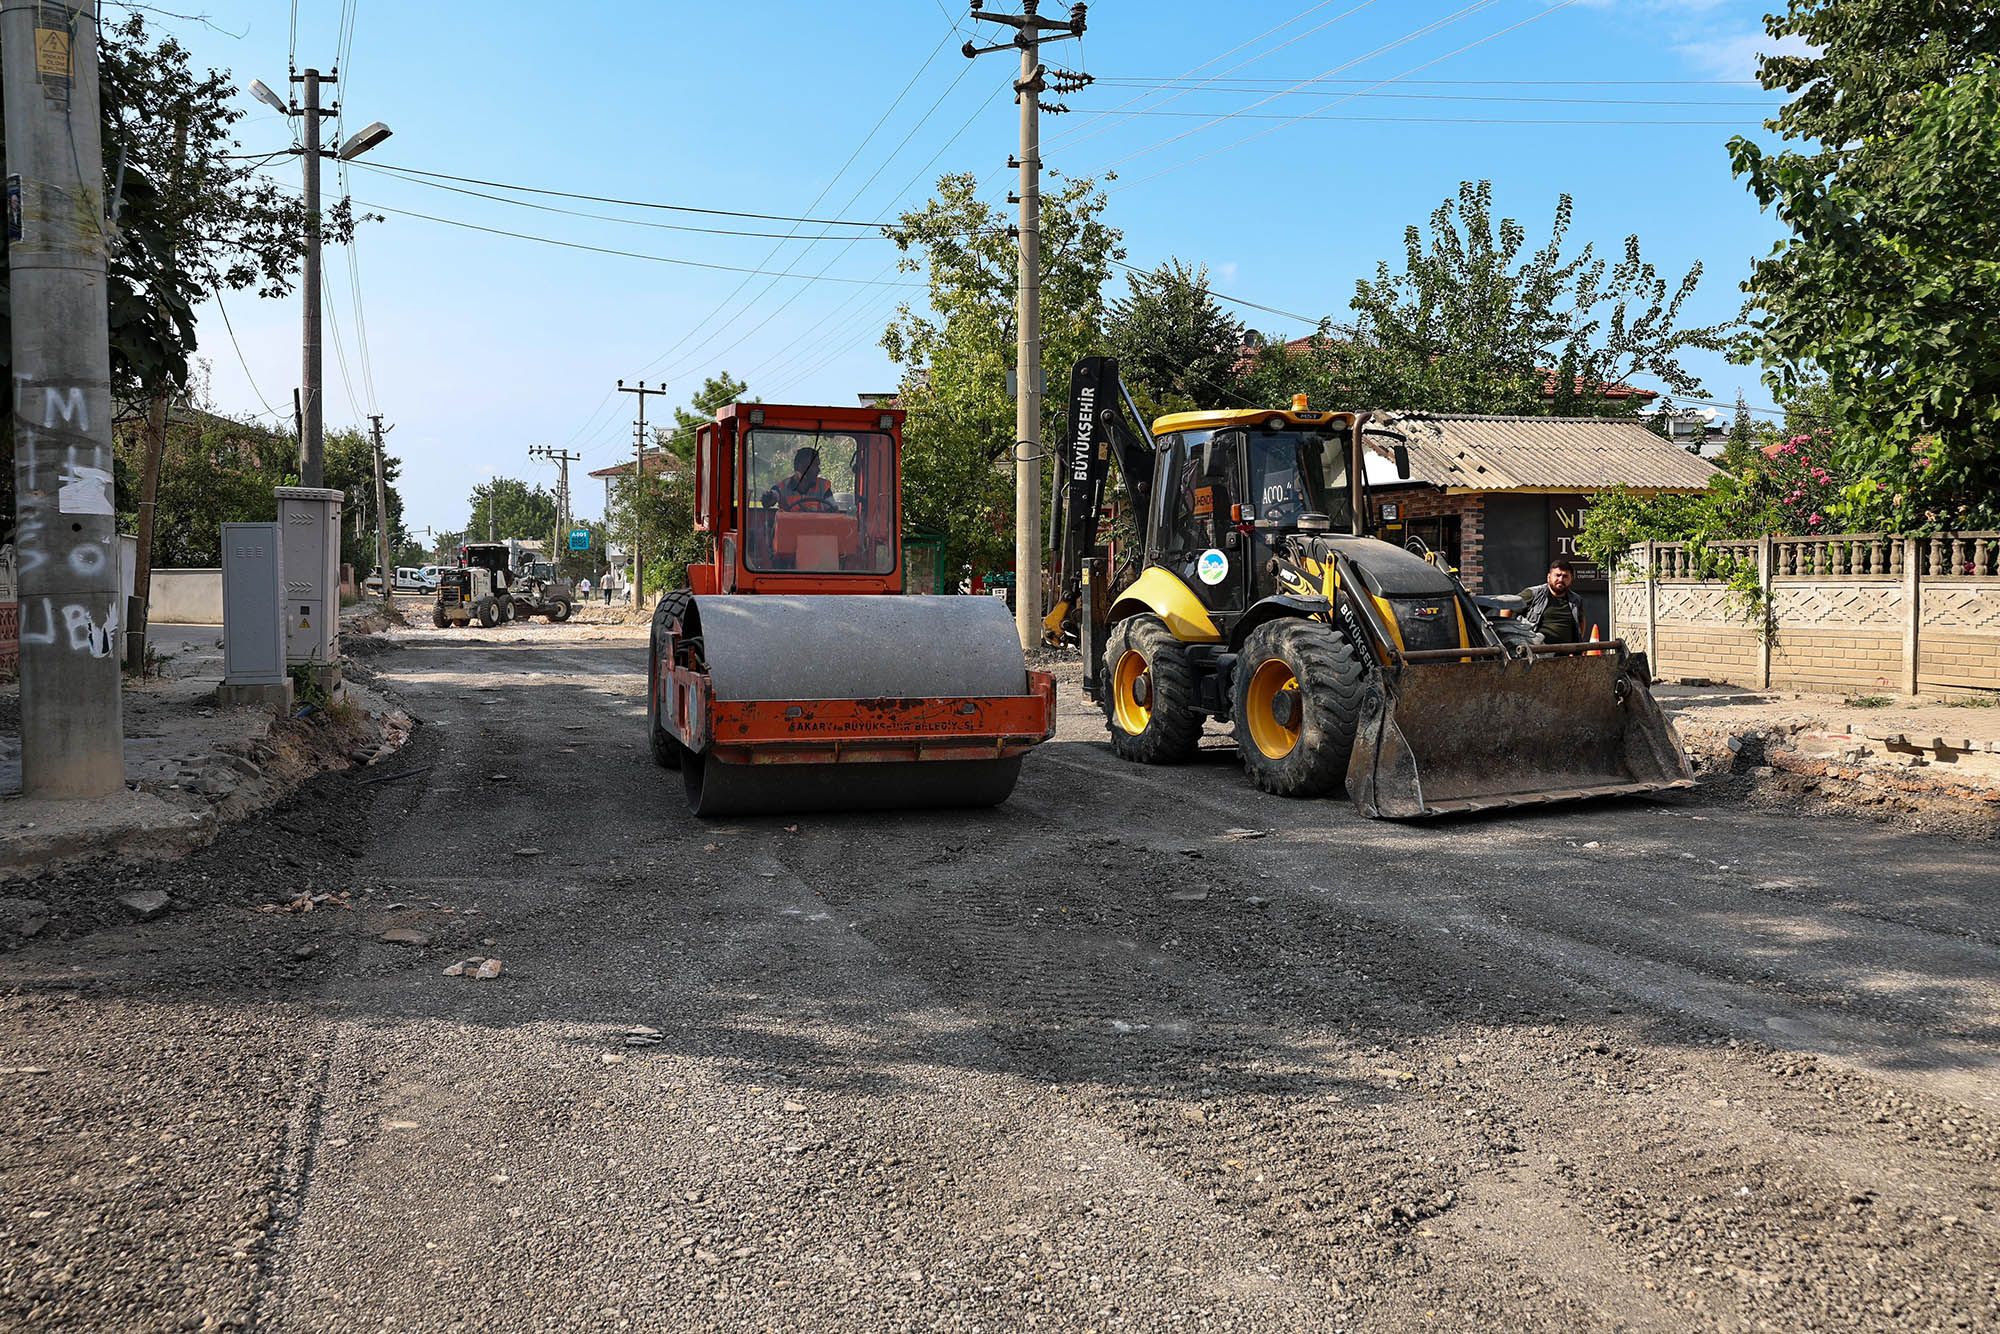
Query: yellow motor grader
{"x": 1342, "y": 660}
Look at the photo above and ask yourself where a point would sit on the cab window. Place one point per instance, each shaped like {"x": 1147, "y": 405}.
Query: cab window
{"x": 822, "y": 501}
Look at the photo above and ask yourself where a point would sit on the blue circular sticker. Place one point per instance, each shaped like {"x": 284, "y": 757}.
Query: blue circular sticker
{"x": 1212, "y": 566}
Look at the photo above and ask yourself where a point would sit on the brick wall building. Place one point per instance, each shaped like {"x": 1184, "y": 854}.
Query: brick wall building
{"x": 1503, "y": 496}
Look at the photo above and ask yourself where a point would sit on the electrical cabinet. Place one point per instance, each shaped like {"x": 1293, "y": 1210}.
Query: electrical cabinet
{"x": 253, "y": 604}
{"x": 309, "y": 517}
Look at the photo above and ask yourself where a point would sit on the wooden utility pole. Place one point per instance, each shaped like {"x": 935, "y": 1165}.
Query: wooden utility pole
{"x": 1031, "y": 32}
{"x": 382, "y": 517}
{"x": 638, "y": 482}
{"x": 136, "y": 611}
{"x": 72, "y": 732}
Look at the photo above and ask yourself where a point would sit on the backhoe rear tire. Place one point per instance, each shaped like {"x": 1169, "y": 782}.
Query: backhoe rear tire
{"x": 1297, "y": 701}
{"x": 1149, "y": 693}
{"x": 438, "y": 618}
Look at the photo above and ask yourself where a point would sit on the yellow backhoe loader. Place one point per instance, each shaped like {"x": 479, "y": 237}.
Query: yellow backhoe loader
{"x": 1341, "y": 659}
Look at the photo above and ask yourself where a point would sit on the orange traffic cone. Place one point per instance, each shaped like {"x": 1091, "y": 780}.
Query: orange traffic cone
{"x": 1595, "y": 638}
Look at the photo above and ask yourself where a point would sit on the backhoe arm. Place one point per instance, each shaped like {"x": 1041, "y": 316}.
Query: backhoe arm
{"x": 1104, "y": 425}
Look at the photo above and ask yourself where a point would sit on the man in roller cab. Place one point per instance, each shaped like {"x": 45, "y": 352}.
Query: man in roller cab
{"x": 805, "y": 491}
{"x": 1555, "y": 612}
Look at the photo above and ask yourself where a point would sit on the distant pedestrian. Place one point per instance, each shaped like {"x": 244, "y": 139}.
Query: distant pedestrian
{"x": 583, "y": 588}
{"x": 609, "y": 579}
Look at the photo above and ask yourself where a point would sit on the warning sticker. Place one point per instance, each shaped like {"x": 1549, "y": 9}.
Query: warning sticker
{"x": 52, "y": 52}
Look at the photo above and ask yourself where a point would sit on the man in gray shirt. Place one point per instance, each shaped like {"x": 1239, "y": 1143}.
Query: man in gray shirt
{"x": 1555, "y": 612}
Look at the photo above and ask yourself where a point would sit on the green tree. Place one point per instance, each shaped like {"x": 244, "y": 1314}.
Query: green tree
{"x": 214, "y": 471}
{"x": 716, "y": 392}
{"x": 958, "y": 440}
{"x": 349, "y": 461}
{"x": 1472, "y": 324}
{"x": 657, "y": 515}
{"x": 1172, "y": 338}
{"x": 506, "y": 507}
{"x": 1888, "y": 285}
{"x": 1742, "y": 431}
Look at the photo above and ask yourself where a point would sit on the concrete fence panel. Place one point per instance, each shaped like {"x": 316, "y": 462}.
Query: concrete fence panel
{"x": 185, "y": 597}
{"x": 1862, "y": 612}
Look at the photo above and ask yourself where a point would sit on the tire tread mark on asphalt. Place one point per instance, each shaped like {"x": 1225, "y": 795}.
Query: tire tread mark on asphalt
{"x": 294, "y": 1177}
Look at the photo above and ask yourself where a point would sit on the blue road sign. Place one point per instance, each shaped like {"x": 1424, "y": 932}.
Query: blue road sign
{"x": 579, "y": 539}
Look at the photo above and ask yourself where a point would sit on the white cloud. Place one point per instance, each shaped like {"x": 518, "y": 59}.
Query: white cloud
{"x": 1735, "y": 57}
{"x": 1227, "y": 272}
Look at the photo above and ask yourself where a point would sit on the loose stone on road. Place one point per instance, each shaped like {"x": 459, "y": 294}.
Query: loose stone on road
{"x": 1141, "y": 1047}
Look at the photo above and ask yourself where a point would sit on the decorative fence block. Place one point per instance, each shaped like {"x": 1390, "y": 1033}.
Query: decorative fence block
{"x": 1843, "y": 611}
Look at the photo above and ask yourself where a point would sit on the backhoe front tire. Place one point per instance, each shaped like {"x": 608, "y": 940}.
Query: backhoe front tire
{"x": 1149, "y": 693}
{"x": 558, "y": 612}
{"x": 487, "y": 614}
{"x": 438, "y": 618}
{"x": 1297, "y": 701}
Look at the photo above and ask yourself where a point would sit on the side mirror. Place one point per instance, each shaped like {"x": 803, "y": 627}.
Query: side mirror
{"x": 1403, "y": 462}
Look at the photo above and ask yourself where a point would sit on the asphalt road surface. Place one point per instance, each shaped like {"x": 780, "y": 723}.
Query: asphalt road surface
{"x": 1141, "y": 1049}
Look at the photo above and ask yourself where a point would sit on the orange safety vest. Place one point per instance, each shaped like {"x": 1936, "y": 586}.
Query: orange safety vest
{"x": 816, "y": 496}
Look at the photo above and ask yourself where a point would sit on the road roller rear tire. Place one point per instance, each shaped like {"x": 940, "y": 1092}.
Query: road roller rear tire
{"x": 1297, "y": 701}
{"x": 1149, "y": 693}
{"x": 668, "y": 752}
{"x": 716, "y": 788}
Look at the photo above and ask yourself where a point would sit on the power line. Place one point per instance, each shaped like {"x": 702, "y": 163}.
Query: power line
{"x": 629, "y": 222}
{"x": 1512, "y": 27}
{"x": 1137, "y": 80}
{"x": 627, "y": 203}
{"x": 1411, "y": 36}
{"x": 241, "y": 360}
{"x": 1440, "y": 120}
{"x": 1070, "y": 139}
{"x": 866, "y": 139}
{"x": 1490, "y": 97}
{"x": 625, "y": 254}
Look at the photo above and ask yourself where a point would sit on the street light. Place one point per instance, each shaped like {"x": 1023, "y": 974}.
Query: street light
{"x": 263, "y": 93}
{"x": 362, "y": 140}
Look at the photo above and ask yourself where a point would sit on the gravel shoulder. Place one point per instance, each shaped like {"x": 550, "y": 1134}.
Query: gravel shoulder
{"x": 1140, "y": 1048}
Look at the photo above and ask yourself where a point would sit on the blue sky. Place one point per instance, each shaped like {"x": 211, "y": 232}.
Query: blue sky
{"x": 480, "y": 345}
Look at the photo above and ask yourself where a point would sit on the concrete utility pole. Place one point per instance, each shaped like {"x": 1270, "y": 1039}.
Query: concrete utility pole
{"x": 312, "y": 411}
{"x": 382, "y": 516}
{"x": 638, "y": 480}
{"x": 1030, "y": 33}
{"x": 562, "y": 459}
{"x": 312, "y": 429}
{"x": 72, "y": 734}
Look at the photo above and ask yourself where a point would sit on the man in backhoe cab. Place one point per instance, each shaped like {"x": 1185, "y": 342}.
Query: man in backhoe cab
{"x": 1555, "y": 612}
{"x": 805, "y": 491}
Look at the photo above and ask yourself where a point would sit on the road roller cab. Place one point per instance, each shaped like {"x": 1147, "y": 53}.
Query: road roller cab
{"x": 791, "y": 673}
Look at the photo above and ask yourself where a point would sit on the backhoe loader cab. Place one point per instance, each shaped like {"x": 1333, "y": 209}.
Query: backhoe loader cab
{"x": 1341, "y": 660}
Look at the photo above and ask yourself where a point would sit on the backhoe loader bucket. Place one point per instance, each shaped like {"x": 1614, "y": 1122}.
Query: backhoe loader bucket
{"x": 1471, "y": 734}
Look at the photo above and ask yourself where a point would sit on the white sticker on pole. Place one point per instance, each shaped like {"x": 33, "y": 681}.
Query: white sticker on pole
{"x": 84, "y": 490}
{"x": 1212, "y": 566}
